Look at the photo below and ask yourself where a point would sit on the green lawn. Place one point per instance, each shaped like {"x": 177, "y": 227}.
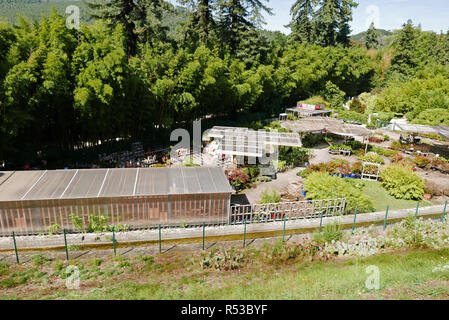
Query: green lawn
{"x": 409, "y": 275}
{"x": 381, "y": 198}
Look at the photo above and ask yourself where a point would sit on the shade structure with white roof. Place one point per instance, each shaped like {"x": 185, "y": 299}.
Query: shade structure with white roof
{"x": 250, "y": 143}
{"x": 324, "y": 124}
{"x": 441, "y": 130}
{"x": 32, "y": 201}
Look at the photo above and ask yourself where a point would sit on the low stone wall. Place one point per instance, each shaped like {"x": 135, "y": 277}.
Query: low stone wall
{"x": 194, "y": 235}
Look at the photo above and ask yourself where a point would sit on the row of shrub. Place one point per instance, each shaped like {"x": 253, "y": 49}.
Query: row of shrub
{"x": 398, "y": 179}
{"x": 338, "y": 147}
{"x": 334, "y": 167}
{"x": 400, "y": 146}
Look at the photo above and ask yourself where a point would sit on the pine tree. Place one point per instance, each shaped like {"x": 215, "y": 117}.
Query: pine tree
{"x": 303, "y": 24}
{"x": 372, "y": 37}
{"x": 345, "y": 17}
{"x": 404, "y": 61}
{"x": 201, "y": 24}
{"x": 141, "y": 19}
{"x": 332, "y": 22}
{"x": 237, "y": 17}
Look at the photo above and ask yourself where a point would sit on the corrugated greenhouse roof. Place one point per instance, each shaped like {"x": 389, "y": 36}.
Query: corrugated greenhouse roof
{"x": 104, "y": 183}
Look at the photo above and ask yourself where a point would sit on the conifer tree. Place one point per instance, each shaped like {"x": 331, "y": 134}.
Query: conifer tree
{"x": 372, "y": 37}
{"x": 332, "y": 22}
{"x": 141, "y": 19}
{"x": 237, "y": 17}
{"x": 404, "y": 61}
{"x": 201, "y": 24}
{"x": 303, "y": 23}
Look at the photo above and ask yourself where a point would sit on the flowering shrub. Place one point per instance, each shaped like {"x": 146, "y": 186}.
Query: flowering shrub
{"x": 238, "y": 178}
{"x": 440, "y": 163}
{"x": 357, "y": 167}
{"x": 397, "y": 158}
{"x": 421, "y": 161}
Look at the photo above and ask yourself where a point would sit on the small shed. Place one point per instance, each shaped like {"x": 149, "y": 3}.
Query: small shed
{"x": 32, "y": 201}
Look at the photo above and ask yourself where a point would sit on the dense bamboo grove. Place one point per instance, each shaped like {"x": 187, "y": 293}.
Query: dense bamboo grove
{"x": 131, "y": 76}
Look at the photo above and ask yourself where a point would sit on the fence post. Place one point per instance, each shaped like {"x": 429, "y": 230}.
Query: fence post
{"x": 204, "y": 231}
{"x": 113, "y": 241}
{"x": 386, "y": 217}
{"x": 283, "y": 232}
{"x": 160, "y": 240}
{"x": 244, "y": 233}
{"x": 444, "y": 211}
{"x": 65, "y": 244}
{"x": 321, "y": 221}
{"x": 355, "y": 217}
{"x": 15, "y": 247}
{"x": 417, "y": 209}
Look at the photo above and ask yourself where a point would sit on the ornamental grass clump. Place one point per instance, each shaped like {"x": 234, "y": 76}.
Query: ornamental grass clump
{"x": 402, "y": 183}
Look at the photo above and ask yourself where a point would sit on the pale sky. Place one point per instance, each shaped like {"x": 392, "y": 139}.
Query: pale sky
{"x": 386, "y": 14}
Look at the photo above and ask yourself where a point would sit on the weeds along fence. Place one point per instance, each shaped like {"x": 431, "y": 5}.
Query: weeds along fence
{"x": 75, "y": 246}
{"x": 270, "y": 212}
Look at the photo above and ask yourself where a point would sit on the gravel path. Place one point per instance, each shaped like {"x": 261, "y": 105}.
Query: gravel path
{"x": 280, "y": 185}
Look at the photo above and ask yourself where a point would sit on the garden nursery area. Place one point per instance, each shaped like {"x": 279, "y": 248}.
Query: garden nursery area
{"x": 181, "y": 149}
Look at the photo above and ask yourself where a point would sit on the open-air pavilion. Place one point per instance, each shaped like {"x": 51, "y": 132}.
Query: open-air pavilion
{"x": 443, "y": 131}
{"x": 306, "y": 113}
{"x": 326, "y": 125}
{"x": 250, "y": 143}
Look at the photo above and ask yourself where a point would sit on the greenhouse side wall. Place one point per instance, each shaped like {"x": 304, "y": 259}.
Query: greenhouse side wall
{"x": 74, "y": 215}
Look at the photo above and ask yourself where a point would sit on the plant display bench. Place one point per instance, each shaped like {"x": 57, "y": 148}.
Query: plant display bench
{"x": 371, "y": 174}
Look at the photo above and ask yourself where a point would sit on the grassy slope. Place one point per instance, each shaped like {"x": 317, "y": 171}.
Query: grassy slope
{"x": 381, "y": 198}
{"x": 402, "y": 276}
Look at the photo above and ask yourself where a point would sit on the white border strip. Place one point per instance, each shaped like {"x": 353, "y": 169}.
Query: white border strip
{"x": 102, "y": 185}
{"x": 34, "y": 185}
{"x": 70, "y": 182}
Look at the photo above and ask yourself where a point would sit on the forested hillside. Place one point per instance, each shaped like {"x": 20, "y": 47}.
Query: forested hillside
{"x": 137, "y": 76}
{"x": 382, "y": 36}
